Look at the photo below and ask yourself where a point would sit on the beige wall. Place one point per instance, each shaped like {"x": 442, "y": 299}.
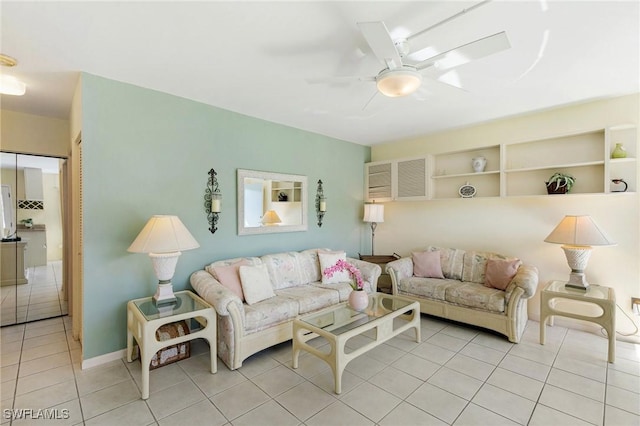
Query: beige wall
{"x": 517, "y": 226}
{"x": 33, "y": 134}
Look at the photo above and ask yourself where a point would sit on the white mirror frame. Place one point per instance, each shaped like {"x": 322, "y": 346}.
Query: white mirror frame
{"x": 242, "y": 230}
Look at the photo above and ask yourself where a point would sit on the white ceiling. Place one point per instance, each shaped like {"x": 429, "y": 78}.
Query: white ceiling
{"x": 255, "y": 58}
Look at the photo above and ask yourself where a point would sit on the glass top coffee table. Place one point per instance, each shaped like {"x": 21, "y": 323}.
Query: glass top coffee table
{"x": 388, "y": 315}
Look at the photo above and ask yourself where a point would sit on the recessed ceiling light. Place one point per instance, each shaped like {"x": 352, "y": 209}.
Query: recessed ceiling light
{"x": 7, "y": 61}
{"x": 10, "y": 85}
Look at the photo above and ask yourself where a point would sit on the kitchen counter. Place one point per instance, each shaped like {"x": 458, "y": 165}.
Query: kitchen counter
{"x": 36, "y": 239}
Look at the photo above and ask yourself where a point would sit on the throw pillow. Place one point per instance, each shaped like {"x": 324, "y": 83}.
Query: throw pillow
{"x": 256, "y": 284}
{"x": 500, "y": 272}
{"x": 230, "y": 277}
{"x": 328, "y": 259}
{"x": 426, "y": 264}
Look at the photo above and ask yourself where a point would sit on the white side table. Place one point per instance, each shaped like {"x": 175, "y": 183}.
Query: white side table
{"x": 599, "y": 295}
{"x": 144, "y": 318}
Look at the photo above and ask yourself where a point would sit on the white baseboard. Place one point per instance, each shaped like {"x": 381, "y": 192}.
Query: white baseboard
{"x": 103, "y": 359}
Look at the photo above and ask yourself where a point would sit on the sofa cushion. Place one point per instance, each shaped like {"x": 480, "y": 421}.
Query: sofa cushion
{"x": 500, "y": 272}
{"x": 433, "y": 288}
{"x": 451, "y": 261}
{"x": 343, "y": 289}
{"x": 310, "y": 265}
{"x": 210, "y": 268}
{"x": 229, "y": 276}
{"x": 328, "y": 259}
{"x": 426, "y": 264}
{"x": 475, "y": 265}
{"x": 268, "y": 313}
{"x": 310, "y": 298}
{"x": 284, "y": 270}
{"x": 476, "y": 295}
{"x": 256, "y": 284}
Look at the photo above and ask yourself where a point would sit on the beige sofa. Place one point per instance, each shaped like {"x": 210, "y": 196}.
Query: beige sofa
{"x": 461, "y": 294}
{"x": 296, "y": 280}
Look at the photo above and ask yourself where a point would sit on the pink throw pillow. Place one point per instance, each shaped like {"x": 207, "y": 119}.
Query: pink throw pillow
{"x": 426, "y": 264}
{"x": 500, "y": 272}
{"x": 230, "y": 277}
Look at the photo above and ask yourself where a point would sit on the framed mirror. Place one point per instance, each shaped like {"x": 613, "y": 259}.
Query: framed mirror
{"x": 271, "y": 202}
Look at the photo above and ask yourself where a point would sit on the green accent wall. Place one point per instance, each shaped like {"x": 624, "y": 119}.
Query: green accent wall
{"x": 145, "y": 152}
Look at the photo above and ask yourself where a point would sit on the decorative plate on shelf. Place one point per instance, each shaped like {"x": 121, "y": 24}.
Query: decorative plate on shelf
{"x": 467, "y": 190}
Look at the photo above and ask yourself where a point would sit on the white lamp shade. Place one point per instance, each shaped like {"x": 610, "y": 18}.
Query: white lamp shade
{"x": 578, "y": 231}
{"x": 163, "y": 234}
{"x": 373, "y": 213}
{"x": 271, "y": 217}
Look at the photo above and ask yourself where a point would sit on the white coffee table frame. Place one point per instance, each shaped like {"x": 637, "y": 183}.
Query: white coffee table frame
{"x": 380, "y": 317}
{"x": 142, "y": 327}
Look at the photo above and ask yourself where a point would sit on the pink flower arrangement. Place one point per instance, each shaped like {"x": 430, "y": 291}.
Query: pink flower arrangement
{"x": 343, "y": 265}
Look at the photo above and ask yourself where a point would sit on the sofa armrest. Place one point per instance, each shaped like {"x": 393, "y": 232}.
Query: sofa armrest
{"x": 527, "y": 279}
{"x": 370, "y": 271}
{"x": 397, "y": 270}
{"x": 219, "y": 296}
{"x": 401, "y": 268}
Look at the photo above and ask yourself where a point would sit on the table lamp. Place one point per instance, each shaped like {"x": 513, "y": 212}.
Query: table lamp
{"x": 164, "y": 237}
{"x": 577, "y": 234}
{"x": 271, "y": 218}
{"x": 373, "y": 213}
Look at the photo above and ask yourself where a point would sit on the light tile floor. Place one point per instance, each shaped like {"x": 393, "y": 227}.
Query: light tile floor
{"x": 457, "y": 375}
{"x": 40, "y": 298}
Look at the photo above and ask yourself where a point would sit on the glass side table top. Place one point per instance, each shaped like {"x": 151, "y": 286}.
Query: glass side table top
{"x": 184, "y": 304}
{"x": 342, "y": 318}
{"x": 593, "y": 291}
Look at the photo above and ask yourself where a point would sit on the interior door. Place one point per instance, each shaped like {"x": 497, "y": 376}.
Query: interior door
{"x": 33, "y": 239}
{"x": 9, "y": 272}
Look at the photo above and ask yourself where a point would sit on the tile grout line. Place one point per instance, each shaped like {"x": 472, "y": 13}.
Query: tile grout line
{"x": 75, "y": 378}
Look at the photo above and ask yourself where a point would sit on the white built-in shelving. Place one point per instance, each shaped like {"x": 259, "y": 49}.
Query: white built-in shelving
{"x": 513, "y": 169}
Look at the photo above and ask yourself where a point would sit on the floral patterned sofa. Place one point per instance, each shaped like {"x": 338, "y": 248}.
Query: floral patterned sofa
{"x": 296, "y": 288}
{"x": 480, "y": 288}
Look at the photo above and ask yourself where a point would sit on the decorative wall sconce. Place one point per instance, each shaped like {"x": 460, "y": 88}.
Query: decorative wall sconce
{"x": 321, "y": 203}
{"x": 212, "y": 201}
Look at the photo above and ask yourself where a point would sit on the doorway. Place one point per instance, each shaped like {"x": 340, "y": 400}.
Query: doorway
{"x": 33, "y": 283}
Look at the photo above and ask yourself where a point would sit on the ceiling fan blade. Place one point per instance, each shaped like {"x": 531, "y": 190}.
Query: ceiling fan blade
{"x": 468, "y": 52}
{"x": 381, "y": 44}
{"x": 450, "y": 78}
{"x": 370, "y": 100}
{"x": 339, "y": 79}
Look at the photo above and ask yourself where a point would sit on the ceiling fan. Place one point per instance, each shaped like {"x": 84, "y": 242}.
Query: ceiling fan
{"x": 401, "y": 75}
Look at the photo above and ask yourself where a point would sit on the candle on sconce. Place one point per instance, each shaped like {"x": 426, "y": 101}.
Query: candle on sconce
{"x": 323, "y": 206}
{"x": 215, "y": 205}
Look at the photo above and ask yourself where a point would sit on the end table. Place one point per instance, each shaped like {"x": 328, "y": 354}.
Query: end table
{"x": 602, "y": 296}
{"x": 144, "y": 318}
{"x": 384, "y": 282}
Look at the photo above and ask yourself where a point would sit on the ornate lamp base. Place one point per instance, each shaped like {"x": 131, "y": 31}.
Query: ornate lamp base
{"x": 577, "y": 258}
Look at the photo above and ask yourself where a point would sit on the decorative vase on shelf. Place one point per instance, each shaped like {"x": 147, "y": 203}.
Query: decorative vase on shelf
{"x": 619, "y": 151}
{"x": 358, "y": 300}
{"x": 479, "y": 163}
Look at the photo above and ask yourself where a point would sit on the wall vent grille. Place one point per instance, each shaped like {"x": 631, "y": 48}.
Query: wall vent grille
{"x": 412, "y": 178}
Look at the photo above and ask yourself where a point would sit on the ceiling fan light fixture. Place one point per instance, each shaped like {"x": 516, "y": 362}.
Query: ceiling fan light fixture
{"x": 11, "y": 86}
{"x": 398, "y": 82}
